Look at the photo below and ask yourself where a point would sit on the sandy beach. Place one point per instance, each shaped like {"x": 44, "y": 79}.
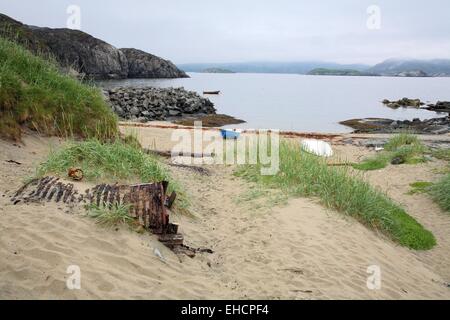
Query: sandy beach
{"x": 292, "y": 250}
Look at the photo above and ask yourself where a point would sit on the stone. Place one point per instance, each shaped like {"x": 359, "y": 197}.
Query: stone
{"x": 397, "y": 160}
{"x": 134, "y": 111}
{"x": 174, "y": 113}
{"x": 442, "y": 130}
{"x": 157, "y": 103}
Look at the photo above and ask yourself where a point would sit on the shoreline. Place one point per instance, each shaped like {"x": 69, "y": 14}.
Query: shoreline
{"x": 300, "y": 244}
{"x": 332, "y": 136}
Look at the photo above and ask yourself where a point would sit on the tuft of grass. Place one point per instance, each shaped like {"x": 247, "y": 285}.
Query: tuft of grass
{"x": 442, "y": 154}
{"x": 440, "y": 192}
{"x": 373, "y": 163}
{"x": 35, "y": 94}
{"x": 110, "y": 217}
{"x": 420, "y": 187}
{"x": 303, "y": 174}
{"x": 405, "y": 146}
{"x": 410, "y": 154}
{"x": 109, "y": 161}
{"x": 402, "y": 139}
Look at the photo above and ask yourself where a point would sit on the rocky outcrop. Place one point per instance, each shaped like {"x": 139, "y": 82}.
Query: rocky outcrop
{"x": 149, "y": 103}
{"x": 86, "y": 54}
{"x": 21, "y": 33}
{"x": 374, "y": 125}
{"x": 440, "y": 106}
{"x": 81, "y": 51}
{"x": 404, "y": 102}
{"x": 145, "y": 65}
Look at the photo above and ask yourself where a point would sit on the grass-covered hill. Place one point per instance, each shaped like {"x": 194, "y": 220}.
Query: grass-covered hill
{"x": 35, "y": 94}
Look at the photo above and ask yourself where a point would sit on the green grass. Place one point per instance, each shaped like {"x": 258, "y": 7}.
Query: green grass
{"x": 440, "y": 192}
{"x": 110, "y": 217}
{"x": 404, "y": 146}
{"x": 303, "y": 174}
{"x": 442, "y": 154}
{"x": 402, "y": 139}
{"x": 111, "y": 162}
{"x": 35, "y": 94}
{"x": 420, "y": 187}
{"x": 374, "y": 163}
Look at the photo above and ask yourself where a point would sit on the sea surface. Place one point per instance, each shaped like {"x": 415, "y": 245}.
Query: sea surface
{"x": 305, "y": 103}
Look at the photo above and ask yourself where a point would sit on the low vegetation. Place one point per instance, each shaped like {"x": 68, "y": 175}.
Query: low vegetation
{"x": 420, "y": 187}
{"x": 404, "y": 148}
{"x": 35, "y": 94}
{"x": 111, "y": 161}
{"x": 303, "y": 174}
{"x": 442, "y": 154}
{"x": 440, "y": 192}
{"x": 110, "y": 217}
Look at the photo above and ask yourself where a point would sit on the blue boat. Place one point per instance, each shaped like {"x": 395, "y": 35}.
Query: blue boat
{"x": 229, "y": 134}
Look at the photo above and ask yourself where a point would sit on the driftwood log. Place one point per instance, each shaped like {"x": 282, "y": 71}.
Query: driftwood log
{"x": 168, "y": 154}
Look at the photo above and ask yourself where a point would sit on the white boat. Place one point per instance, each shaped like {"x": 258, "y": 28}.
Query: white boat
{"x": 317, "y": 147}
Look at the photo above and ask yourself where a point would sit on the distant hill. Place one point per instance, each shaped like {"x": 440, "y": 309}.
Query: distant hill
{"x": 217, "y": 70}
{"x": 270, "y": 67}
{"x": 411, "y": 67}
{"x": 390, "y": 67}
{"x": 338, "y": 72}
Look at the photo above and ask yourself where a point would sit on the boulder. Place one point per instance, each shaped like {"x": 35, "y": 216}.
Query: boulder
{"x": 440, "y": 106}
{"x": 404, "y": 102}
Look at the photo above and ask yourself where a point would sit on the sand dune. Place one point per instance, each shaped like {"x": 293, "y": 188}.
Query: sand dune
{"x": 296, "y": 251}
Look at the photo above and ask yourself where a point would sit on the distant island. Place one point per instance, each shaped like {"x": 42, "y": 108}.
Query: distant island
{"x": 413, "y": 68}
{"x": 216, "y": 70}
{"x": 338, "y": 72}
{"x": 387, "y": 68}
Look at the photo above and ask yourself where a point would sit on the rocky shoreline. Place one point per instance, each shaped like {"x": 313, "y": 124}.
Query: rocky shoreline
{"x": 150, "y": 103}
{"x": 440, "y": 106}
{"x": 429, "y": 126}
{"x": 379, "y": 125}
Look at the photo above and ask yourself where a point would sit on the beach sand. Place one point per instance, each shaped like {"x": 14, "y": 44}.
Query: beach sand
{"x": 296, "y": 250}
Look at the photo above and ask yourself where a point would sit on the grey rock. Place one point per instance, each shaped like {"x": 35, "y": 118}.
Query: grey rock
{"x": 117, "y": 109}
{"x": 397, "y": 160}
{"x": 174, "y": 113}
{"x": 141, "y": 119}
{"x": 157, "y": 103}
{"x": 442, "y": 130}
{"x": 145, "y": 65}
{"x": 134, "y": 111}
{"x": 81, "y": 54}
{"x": 91, "y": 56}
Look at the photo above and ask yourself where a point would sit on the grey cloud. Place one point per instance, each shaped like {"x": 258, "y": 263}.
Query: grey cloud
{"x": 213, "y": 31}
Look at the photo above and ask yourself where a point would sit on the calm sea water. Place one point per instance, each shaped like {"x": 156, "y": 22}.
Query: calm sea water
{"x": 305, "y": 103}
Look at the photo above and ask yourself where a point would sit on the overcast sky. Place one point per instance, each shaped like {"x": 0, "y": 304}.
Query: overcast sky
{"x": 187, "y": 31}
